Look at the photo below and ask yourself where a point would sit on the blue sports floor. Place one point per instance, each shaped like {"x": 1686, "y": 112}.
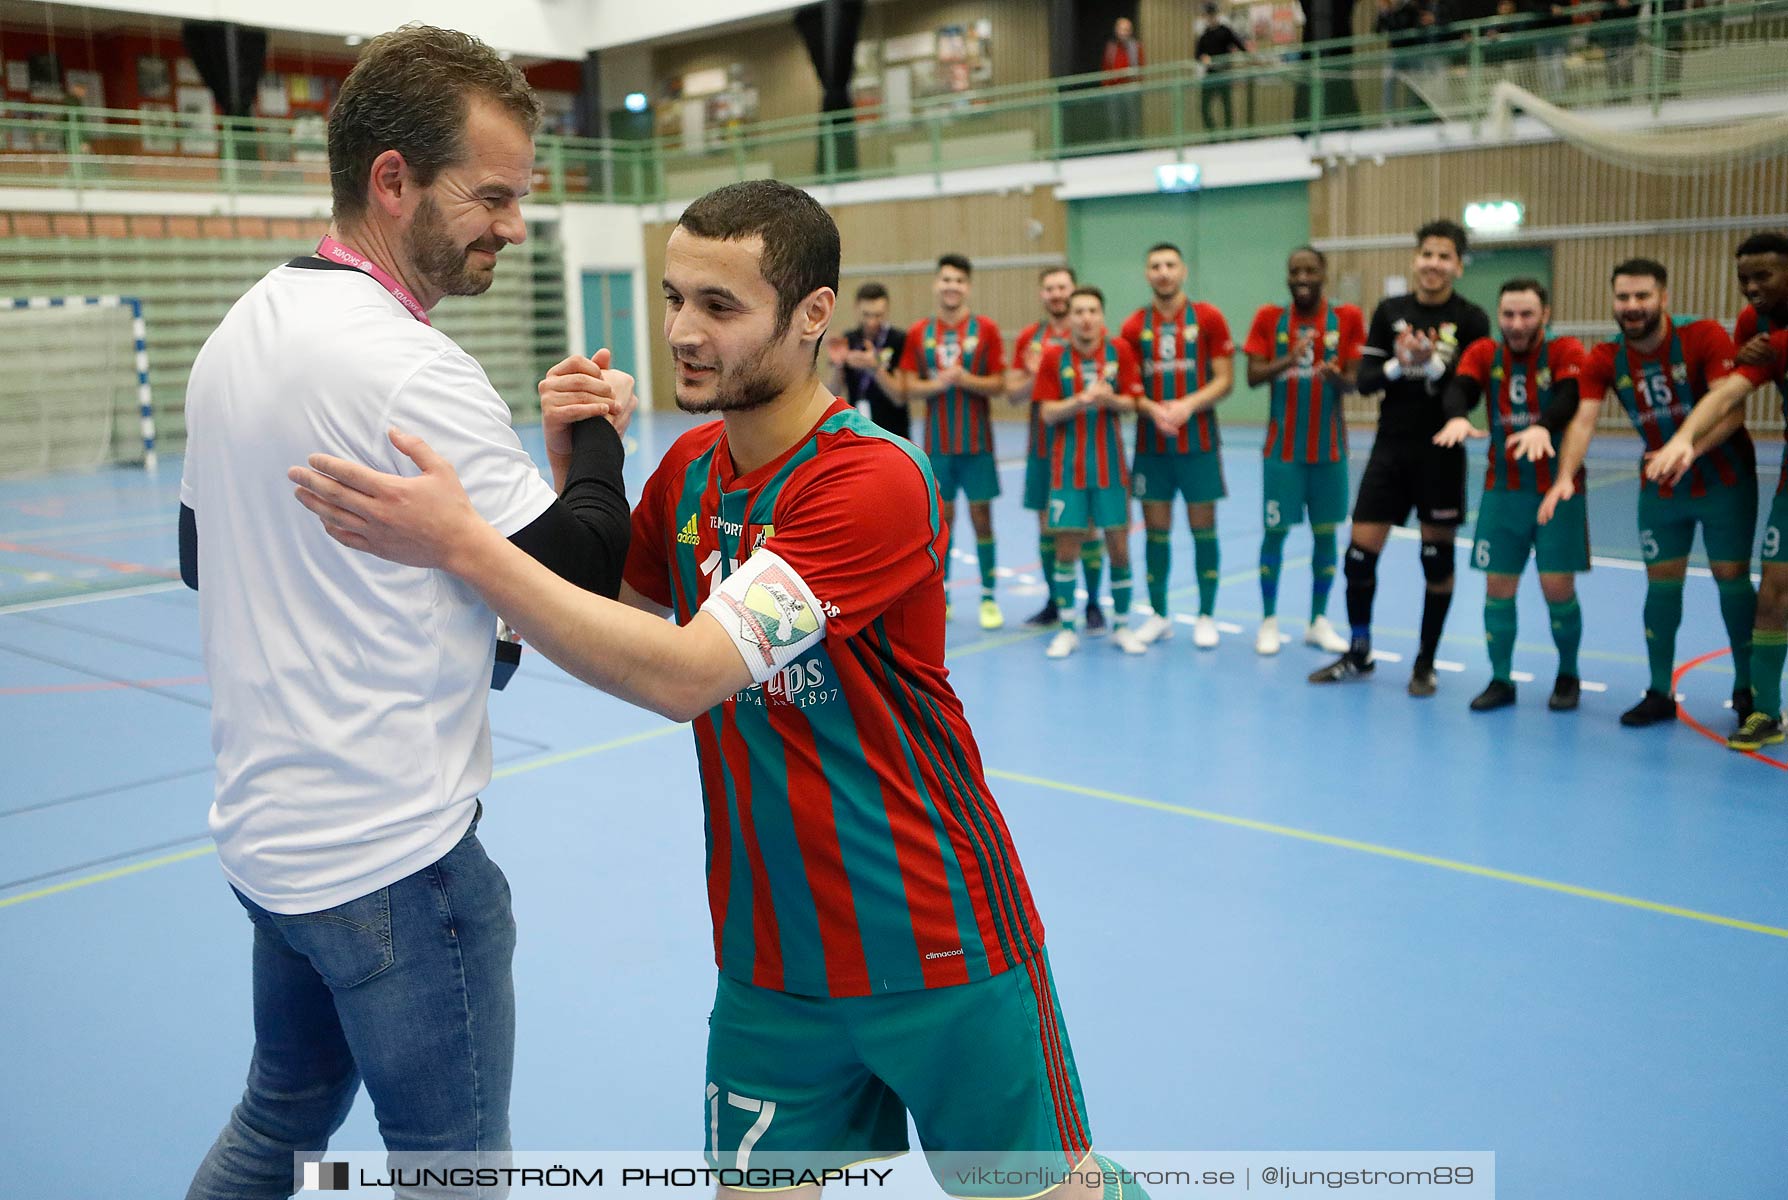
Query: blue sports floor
{"x": 1281, "y": 917}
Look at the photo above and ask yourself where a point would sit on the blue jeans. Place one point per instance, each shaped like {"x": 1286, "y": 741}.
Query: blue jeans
{"x": 409, "y": 990}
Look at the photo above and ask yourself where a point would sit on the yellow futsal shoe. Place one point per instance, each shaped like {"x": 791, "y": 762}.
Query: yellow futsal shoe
{"x": 991, "y": 616}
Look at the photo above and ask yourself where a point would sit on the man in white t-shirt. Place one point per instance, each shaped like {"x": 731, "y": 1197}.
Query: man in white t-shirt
{"x": 348, "y": 695}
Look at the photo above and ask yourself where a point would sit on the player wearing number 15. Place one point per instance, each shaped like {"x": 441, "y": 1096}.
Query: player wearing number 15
{"x": 1081, "y": 391}
{"x": 1660, "y": 368}
{"x": 1527, "y": 378}
{"x": 1309, "y": 351}
{"x": 1763, "y": 273}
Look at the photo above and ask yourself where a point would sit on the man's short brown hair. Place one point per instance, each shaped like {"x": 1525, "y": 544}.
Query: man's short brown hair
{"x": 410, "y": 92}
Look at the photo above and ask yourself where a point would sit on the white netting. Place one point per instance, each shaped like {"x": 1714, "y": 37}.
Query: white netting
{"x": 1688, "y": 151}
{"x": 69, "y": 376}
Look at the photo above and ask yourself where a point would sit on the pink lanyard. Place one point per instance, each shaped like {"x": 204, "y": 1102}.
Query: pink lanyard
{"x": 348, "y": 256}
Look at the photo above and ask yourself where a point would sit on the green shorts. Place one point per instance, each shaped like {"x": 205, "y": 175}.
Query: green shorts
{"x": 1775, "y": 530}
{"x": 819, "y": 1083}
{"x": 974, "y": 475}
{"x": 1509, "y": 529}
{"x": 1197, "y": 476}
{"x": 1289, "y": 489}
{"x": 1036, "y": 483}
{"x": 1727, "y": 516}
{"x": 1089, "y": 508}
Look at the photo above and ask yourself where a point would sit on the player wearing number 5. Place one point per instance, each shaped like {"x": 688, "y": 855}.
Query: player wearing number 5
{"x": 1528, "y": 379}
{"x": 1661, "y": 368}
{"x": 1081, "y": 391}
{"x": 1309, "y": 352}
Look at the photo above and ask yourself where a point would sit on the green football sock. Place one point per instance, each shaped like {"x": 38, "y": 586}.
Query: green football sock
{"x": 1323, "y": 559}
{"x": 1121, "y": 587}
{"x": 1663, "y": 613}
{"x": 1157, "y": 560}
{"x": 1567, "y": 633}
{"x": 1499, "y": 636}
{"x": 1092, "y": 562}
{"x": 1206, "y": 554}
{"x": 1272, "y": 556}
{"x": 984, "y": 551}
{"x": 1061, "y": 582}
{"x": 1046, "y": 556}
{"x": 1738, "y": 605}
{"x": 1769, "y": 650}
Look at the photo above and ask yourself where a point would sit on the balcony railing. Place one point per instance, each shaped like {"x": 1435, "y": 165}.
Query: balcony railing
{"x": 1308, "y": 90}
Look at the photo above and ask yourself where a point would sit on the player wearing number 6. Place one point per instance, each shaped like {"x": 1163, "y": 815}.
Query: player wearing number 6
{"x": 1763, "y": 273}
{"x": 1661, "y": 368}
{"x": 1310, "y": 352}
{"x": 1081, "y": 390}
{"x": 1528, "y": 379}
{"x": 878, "y": 949}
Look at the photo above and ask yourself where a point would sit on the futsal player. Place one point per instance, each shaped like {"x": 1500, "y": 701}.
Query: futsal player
{"x": 954, "y": 361}
{"x": 1411, "y": 351}
{"x": 878, "y": 947}
{"x": 1526, "y": 377}
{"x": 1660, "y": 372}
{"x": 1082, "y": 392}
{"x": 1185, "y": 350}
{"x": 1763, "y": 273}
{"x": 1309, "y": 352}
{"x": 1054, "y": 287}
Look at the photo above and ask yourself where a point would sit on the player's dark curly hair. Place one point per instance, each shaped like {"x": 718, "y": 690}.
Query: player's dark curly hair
{"x": 1763, "y": 243}
{"x": 959, "y": 261}
{"x": 1452, "y": 231}
{"x": 1649, "y": 267}
{"x": 800, "y": 240}
{"x": 1526, "y": 284}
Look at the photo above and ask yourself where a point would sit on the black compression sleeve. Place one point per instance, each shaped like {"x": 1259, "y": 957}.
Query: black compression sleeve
{"x": 583, "y": 536}
{"x": 1563, "y": 409}
{"x": 189, "y": 548}
{"x": 1463, "y": 394}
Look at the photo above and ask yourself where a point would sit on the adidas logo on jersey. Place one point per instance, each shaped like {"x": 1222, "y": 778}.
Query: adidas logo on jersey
{"x": 690, "y": 534}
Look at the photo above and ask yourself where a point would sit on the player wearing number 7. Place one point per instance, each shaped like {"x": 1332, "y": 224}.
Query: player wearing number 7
{"x": 878, "y": 948}
{"x": 1662, "y": 368}
{"x": 1081, "y": 391}
{"x": 1757, "y": 364}
{"x": 1528, "y": 379}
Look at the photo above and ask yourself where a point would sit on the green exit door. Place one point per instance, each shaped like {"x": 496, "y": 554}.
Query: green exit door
{"x": 608, "y": 316}
{"x": 1489, "y": 267}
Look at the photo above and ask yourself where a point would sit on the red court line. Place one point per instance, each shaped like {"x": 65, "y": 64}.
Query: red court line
{"x": 1682, "y": 714}
{"x": 123, "y": 568}
{"x": 101, "y": 686}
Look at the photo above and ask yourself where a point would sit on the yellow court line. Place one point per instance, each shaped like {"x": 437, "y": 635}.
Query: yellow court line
{"x": 1427, "y": 860}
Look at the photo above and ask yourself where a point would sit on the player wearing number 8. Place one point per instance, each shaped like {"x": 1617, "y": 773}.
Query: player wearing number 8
{"x": 1529, "y": 380}
{"x": 1080, "y": 393}
{"x": 1660, "y": 368}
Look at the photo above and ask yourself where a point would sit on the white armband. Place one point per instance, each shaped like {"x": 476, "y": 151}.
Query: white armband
{"x": 769, "y": 613}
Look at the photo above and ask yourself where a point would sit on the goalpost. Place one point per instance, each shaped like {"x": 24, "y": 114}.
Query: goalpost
{"x": 73, "y": 364}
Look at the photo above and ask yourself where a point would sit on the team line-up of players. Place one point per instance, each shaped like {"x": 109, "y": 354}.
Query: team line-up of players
{"x": 1433, "y": 356}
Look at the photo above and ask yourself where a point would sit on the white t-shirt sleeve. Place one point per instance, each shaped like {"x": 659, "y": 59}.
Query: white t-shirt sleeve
{"x": 451, "y": 405}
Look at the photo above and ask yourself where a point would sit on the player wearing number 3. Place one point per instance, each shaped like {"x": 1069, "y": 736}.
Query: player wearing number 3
{"x": 1662, "y": 368}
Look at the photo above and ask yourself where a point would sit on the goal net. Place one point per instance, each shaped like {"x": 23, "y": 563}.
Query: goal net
{"x": 75, "y": 389}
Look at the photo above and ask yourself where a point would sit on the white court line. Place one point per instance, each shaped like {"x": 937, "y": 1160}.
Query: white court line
{"x": 1521, "y": 676}
{"x": 1443, "y": 664}
{"x": 68, "y": 601}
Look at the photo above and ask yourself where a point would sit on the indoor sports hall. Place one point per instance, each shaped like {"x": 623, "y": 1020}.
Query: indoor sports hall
{"x": 1282, "y": 917}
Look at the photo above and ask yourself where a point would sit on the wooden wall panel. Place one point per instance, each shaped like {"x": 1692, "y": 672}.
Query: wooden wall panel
{"x": 897, "y": 242}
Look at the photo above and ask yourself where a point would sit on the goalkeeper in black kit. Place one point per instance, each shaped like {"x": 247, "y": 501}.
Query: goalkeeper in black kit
{"x": 1412, "y": 350}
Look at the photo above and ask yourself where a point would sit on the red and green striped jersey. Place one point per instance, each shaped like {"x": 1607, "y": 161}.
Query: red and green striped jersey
{"x": 1750, "y": 324}
{"x": 956, "y": 420}
{"x": 853, "y": 846}
{"x": 1175, "y": 354}
{"x": 1306, "y": 424}
{"x": 1046, "y": 336}
{"x": 1085, "y": 450}
{"x": 1517, "y": 390}
{"x": 1658, "y": 389}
